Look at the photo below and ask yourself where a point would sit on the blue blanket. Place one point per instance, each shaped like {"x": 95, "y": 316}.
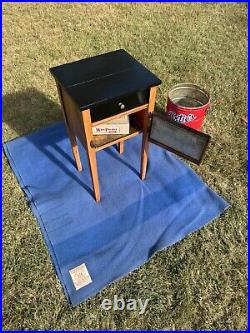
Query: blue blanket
{"x": 133, "y": 220}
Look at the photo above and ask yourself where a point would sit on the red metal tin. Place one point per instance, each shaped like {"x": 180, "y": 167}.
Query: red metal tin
{"x": 187, "y": 104}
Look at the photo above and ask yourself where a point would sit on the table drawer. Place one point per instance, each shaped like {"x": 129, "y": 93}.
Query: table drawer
{"x": 119, "y": 105}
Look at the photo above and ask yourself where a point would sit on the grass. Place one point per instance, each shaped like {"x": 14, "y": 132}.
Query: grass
{"x": 199, "y": 283}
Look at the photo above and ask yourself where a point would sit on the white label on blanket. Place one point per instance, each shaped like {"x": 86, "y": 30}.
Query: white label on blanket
{"x": 80, "y": 276}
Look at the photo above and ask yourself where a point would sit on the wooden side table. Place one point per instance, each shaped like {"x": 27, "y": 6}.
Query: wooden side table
{"x": 95, "y": 90}
{"x": 92, "y": 91}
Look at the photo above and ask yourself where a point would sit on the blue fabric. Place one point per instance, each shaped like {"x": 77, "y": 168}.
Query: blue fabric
{"x": 134, "y": 218}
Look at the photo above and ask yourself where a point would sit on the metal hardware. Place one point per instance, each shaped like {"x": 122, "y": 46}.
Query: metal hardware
{"x": 121, "y": 106}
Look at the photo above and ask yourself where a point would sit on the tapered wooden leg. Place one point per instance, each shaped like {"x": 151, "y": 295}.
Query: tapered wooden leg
{"x": 71, "y": 135}
{"x": 121, "y": 147}
{"x": 76, "y": 153}
{"x": 146, "y": 123}
{"x": 94, "y": 173}
{"x": 91, "y": 153}
{"x": 145, "y": 145}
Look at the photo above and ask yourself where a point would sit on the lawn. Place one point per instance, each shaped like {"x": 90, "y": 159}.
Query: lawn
{"x": 199, "y": 283}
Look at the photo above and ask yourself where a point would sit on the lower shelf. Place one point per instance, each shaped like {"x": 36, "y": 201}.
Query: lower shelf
{"x": 102, "y": 141}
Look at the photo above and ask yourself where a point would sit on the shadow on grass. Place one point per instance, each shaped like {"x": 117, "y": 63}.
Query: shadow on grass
{"x": 30, "y": 110}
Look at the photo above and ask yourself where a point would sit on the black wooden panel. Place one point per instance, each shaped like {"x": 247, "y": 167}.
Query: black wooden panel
{"x": 177, "y": 138}
{"x": 89, "y": 69}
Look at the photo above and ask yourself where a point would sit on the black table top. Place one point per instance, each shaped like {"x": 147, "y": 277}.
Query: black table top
{"x": 99, "y": 79}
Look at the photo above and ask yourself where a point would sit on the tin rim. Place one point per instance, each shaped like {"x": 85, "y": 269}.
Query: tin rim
{"x": 192, "y": 86}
